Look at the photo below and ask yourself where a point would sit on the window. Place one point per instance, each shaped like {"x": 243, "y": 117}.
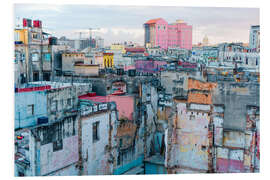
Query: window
{"x": 203, "y": 148}
{"x": 192, "y": 117}
{"x": 47, "y": 57}
{"x": 69, "y": 102}
{"x": 30, "y": 110}
{"x": 35, "y": 36}
{"x": 62, "y": 103}
{"x": 54, "y": 106}
{"x": 35, "y": 76}
{"x": 57, "y": 145}
{"x": 121, "y": 142}
{"x": 17, "y": 56}
{"x": 46, "y": 76}
{"x": 95, "y": 131}
{"x": 22, "y": 78}
{"x": 118, "y": 159}
{"x": 35, "y": 57}
{"x": 16, "y": 36}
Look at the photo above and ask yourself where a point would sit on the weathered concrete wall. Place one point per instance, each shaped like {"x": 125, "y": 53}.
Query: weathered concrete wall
{"x": 230, "y": 160}
{"x": 191, "y": 146}
{"x": 62, "y": 100}
{"x": 177, "y": 82}
{"x": 55, "y": 160}
{"x": 23, "y": 113}
{"x": 235, "y": 97}
{"x": 124, "y": 105}
{"x": 86, "y": 70}
{"x": 237, "y": 152}
{"x": 94, "y": 153}
{"x": 234, "y": 139}
{"x": 71, "y": 170}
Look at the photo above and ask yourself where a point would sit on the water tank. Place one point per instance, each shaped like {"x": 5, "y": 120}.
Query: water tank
{"x": 42, "y": 120}
{"x": 131, "y": 72}
{"x": 37, "y": 24}
{"x": 120, "y": 71}
{"x": 27, "y": 22}
{"x": 52, "y": 41}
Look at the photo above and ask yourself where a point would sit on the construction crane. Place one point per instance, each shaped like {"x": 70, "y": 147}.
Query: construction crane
{"x": 90, "y": 31}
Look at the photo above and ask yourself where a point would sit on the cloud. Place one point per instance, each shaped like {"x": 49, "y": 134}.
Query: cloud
{"x": 110, "y": 35}
{"x": 125, "y": 23}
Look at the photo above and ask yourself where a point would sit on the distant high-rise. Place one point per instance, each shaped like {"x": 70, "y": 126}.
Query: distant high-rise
{"x": 159, "y": 33}
{"x": 254, "y": 37}
{"x": 99, "y": 42}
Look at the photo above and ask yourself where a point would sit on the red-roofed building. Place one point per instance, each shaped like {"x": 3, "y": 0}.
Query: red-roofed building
{"x": 153, "y": 21}
{"x": 135, "y": 50}
{"x": 158, "y": 33}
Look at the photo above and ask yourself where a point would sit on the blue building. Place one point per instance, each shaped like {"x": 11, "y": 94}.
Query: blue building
{"x": 29, "y": 107}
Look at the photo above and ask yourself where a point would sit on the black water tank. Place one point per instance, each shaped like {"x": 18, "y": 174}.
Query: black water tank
{"x": 42, "y": 120}
{"x": 132, "y": 72}
{"x": 120, "y": 71}
{"x": 52, "y": 41}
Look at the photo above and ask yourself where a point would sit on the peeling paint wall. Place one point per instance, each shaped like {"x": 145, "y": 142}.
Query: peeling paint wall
{"x": 58, "y": 146}
{"x": 124, "y": 105}
{"x": 235, "y": 100}
{"x": 55, "y": 160}
{"x": 230, "y": 160}
{"x": 238, "y": 152}
{"x": 234, "y": 139}
{"x": 94, "y": 152}
{"x": 23, "y": 115}
{"x": 71, "y": 170}
{"x": 190, "y": 149}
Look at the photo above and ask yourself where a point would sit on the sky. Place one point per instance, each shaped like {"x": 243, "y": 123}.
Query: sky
{"x": 125, "y": 23}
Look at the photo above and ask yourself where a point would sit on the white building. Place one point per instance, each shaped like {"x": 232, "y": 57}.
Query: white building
{"x": 254, "y": 37}
{"x": 97, "y": 129}
{"x": 243, "y": 59}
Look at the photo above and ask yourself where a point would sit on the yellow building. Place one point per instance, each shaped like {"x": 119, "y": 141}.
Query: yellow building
{"x": 108, "y": 60}
{"x": 118, "y": 47}
{"x": 21, "y": 35}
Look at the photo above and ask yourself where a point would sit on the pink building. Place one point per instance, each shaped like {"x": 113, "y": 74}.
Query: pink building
{"x": 124, "y": 104}
{"x": 159, "y": 33}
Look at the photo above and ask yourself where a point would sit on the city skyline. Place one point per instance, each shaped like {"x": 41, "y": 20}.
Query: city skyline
{"x": 125, "y": 23}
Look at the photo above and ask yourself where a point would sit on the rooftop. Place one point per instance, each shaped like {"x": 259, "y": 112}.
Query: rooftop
{"x": 46, "y": 85}
{"x": 152, "y": 21}
{"x": 135, "y": 49}
{"x": 199, "y": 98}
{"x": 196, "y": 84}
{"x": 95, "y": 98}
